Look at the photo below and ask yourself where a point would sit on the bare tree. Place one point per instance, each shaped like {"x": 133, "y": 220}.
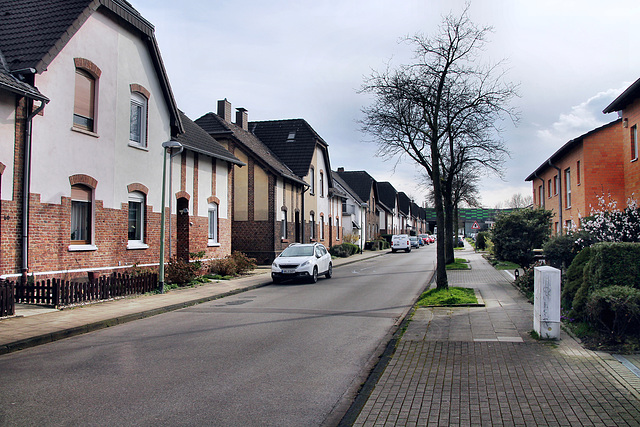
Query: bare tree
{"x": 441, "y": 112}
{"x": 518, "y": 201}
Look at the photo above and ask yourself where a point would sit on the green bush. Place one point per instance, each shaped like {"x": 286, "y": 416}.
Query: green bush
{"x": 615, "y": 311}
{"x": 516, "y": 234}
{"x": 610, "y": 264}
{"x": 344, "y": 250}
{"x": 223, "y": 266}
{"x": 559, "y": 250}
{"x": 481, "y": 241}
{"x": 244, "y": 264}
{"x": 574, "y": 277}
{"x": 180, "y": 272}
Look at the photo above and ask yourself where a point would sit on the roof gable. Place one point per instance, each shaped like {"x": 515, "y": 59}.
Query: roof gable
{"x": 196, "y": 139}
{"x": 33, "y": 32}
{"x": 293, "y": 141}
{"x": 387, "y": 194}
{"x": 361, "y": 182}
{"x": 216, "y": 126}
{"x": 625, "y": 98}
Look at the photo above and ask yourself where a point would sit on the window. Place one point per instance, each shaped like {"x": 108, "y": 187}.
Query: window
{"x": 540, "y": 196}
{"x": 312, "y": 182}
{"x": 84, "y": 101}
{"x": 138, "y": 120}
{"x": 81, "y": 215}
{"x": 555, "y": 185}
{"x": 549, "y": 189}
{"x": 578, "y": 172}
{"x": 634, "y": 142}
{"x": 312, "y": 222}
{"x": 136, "y": 218}
{"x": 213, "y": 223}
{"x": 321, "y": 184}
{"x": 567, "y": 186}
{"x": 283, "y": 225}
{"x": 568, "y": 224}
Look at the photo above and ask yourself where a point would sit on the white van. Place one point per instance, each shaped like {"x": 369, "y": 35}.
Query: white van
{"x": 400, "y": 242}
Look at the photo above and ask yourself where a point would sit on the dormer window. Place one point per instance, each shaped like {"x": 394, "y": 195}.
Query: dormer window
{"x": 291, "y": 137}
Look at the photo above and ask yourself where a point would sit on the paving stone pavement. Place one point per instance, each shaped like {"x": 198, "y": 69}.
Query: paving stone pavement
{"x": 478, "y": 366}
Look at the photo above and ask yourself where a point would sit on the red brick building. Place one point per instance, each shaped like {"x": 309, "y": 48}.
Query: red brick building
{"x": 585, "y": 168}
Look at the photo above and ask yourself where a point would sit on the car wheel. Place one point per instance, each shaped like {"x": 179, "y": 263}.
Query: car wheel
{"x": 408, "y": 250}
{"x": 329, "y": 272}
{"x": 393, "y": 250}
{"x": 276, "y": 280}
{"x": 314, "y": 276}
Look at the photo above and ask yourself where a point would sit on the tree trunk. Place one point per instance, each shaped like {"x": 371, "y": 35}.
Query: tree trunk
{"x": 449, "y": 230}
{"x": 441, "y": 264}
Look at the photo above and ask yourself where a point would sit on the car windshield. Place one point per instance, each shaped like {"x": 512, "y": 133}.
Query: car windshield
{"x": 293, "y": 251}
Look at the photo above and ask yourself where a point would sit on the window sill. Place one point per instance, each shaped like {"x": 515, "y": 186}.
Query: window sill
{"x": 213, "y": 244}
{"x": 634, "y": 160}
{"x": 82, "y": 248}
{"x": 284, "y": 240}
{"x": 138, "y": 146}
{"x": 136, "y": 245}
{"x": 85, "y": 132}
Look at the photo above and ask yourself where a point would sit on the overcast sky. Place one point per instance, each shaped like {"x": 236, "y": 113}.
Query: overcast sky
{"x": 285, "y": 59}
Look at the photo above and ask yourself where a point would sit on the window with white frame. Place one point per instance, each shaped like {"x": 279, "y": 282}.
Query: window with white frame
{"x": 138, "y": 120}
{"x": 283, "y": 225}
{"x": 312, "y": 223}
{"x": 634, "y": 142}
{"x": 555, "y": 185}
{"x": 212, "y": 213}
{"x": 136, "y": 219}
{"x": 567, "y": 186}
{"x": 312, "y": 181}
{"x": 81, "y": 214}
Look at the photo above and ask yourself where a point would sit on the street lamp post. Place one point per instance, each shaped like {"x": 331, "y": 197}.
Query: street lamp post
{"x": 165, "y": 145}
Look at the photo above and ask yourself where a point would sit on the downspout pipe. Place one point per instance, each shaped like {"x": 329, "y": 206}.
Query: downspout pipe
{"x": 26, "y": 183}
{"x": 559, "y": 194}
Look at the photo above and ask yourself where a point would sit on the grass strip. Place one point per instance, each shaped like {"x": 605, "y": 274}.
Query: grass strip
{"x": 449, "y": 296}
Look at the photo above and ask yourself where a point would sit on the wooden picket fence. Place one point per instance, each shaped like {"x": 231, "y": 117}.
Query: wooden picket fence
{"x": 60, "y": 293}
{"x": 7, "y": 299}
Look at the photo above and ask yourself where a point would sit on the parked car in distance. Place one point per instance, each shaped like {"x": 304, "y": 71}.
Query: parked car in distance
{"x": 400, "y": 242}
{"x": 302, "y": 261}
{"x": 414, "y": 242}
{"x": 425, "y": 238}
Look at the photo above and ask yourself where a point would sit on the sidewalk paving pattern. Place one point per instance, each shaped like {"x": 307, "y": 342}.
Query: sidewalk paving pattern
{"x": 471, "y": 366}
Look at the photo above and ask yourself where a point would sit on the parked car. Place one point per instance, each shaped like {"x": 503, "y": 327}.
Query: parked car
{"x": 302, "y": 261}
{"x": 414, "y": 242}
{"x": 425, "y": 238}
{"x": 400, "y": 242}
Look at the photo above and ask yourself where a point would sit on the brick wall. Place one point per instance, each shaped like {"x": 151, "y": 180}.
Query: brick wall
{"x": 631, "y": 168}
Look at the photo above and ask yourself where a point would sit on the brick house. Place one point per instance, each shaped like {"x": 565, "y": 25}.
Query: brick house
{"x": 628, "y": 107}
{"x": 264, "y": 192}
{"x": 404, "y": 208}
{"x": 317, "y": 212}
{"x": 94, "y": 174}
{"x": 571, "y": 180}
{"x": 367, "y": 190}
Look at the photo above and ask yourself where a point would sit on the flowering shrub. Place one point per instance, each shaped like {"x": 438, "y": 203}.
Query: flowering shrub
{"x": 609, "y": 224}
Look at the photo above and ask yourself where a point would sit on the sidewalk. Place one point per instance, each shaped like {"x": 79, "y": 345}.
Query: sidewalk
{"x": 479, "y": 366}
{"x": 34, "y": 326}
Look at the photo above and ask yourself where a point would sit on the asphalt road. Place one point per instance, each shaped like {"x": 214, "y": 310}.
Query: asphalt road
{"x": 292, "y": 354}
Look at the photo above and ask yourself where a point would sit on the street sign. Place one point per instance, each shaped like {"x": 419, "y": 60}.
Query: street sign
{"x": 475, "y": 226}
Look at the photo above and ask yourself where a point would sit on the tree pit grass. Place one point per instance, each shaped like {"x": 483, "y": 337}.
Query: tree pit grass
{"x": 506, "y": 265}
{"x": 447, "y": 297}
{"x": 459, "y": 264}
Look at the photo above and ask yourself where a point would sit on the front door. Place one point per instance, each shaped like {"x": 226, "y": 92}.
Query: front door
{"x": 182, "y": 230}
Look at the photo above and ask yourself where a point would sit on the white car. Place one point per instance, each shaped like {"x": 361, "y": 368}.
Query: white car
{"x": 400, "y": 242}
{"x": 306, "y": 261}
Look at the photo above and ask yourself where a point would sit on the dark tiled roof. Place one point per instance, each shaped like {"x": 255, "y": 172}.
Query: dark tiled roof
{"x": 348, "y": 190}
{"x": 361, "y": 182}
{"x": 196, "y": 139}
{"x": 625, "y": 98}
{"x": 12, "y": 84}
{"x": 215, "y": 126}
{"x": 403, "y": 203}
{"x": 566, "y": 148}
{"x": 293, "y": 141}
{"x": 387, "y": 194}
{"x": 33, "y": 32}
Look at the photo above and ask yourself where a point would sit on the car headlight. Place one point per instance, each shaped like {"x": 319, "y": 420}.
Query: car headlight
{"x": 304, "y": 264}
{"x": 274, "y": 265}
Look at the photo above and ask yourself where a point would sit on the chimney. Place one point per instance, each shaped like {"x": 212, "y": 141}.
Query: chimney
{"x": 224, "y": 110}
{"x": 340, "y": 169}
{"x": 242, "y": 118}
